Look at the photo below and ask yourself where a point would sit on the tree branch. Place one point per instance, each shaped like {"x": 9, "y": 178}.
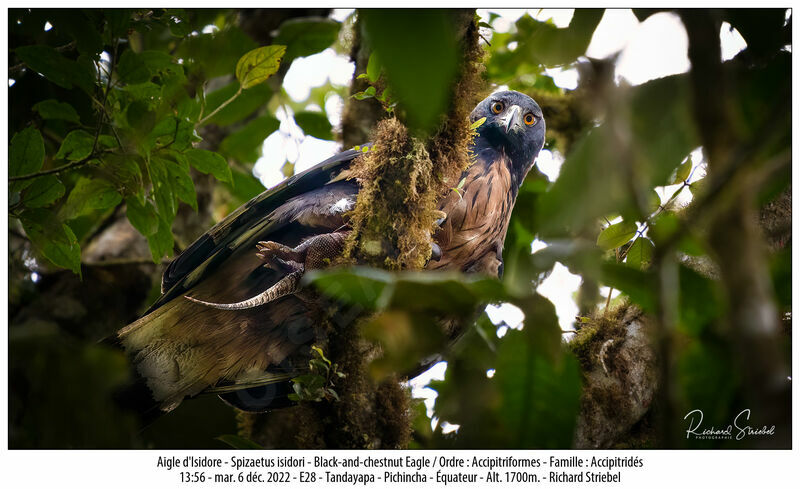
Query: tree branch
{"x": 68, "y": 166}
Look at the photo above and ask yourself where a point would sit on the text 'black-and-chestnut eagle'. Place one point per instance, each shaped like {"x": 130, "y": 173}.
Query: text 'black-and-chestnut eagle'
{"x": 230, "y": 316}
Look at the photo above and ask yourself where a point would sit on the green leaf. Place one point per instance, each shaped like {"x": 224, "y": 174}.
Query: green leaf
{"x": 259, "y": 64}
{"x": 552, "y": 46}
{"x": 156, "y": 61}
{"x": 25, "y": 156}
{"x": 165, "y": 198}
{"x": 188, "y": 108}
{"x": 106, "y": 141}
{"x": 683, "y": 171}
{"x": 703, "y": 362}
{"x": 245, "y": 144}
{"x": 80, "y": 27}
{"x": 368, "y": 93}
{"x": 540, "y": 383}
{"x": 314, "y": 124}
{"x": 420, "y": 70}
{"x": 478, "y": 123}
{"x": 540, "y": 399}
{"x": 210, "y": 162}
{"x": 653, "y": 201}
{"x": 662, "y": 126}
{"x": 43, "y": 191}
{"x": 132, "y": 68}
{"x": 182, "y": 183}
{"x": 162, "y": 241}
{"x": 451, "y": 293}
{"x": 244, "y": 187}
{"x": 239, "y": 442}
{"x": 140, "y": 117}
{"x": 640, "y": 253}
{"x": 306, "y": 36}
{"x": 58, "y": 69}
{"x": 373, "y": 67}
{"x": 640, "y": 286}
{"x": 405, "y": 338}
{"x": 123, "y": 171}
{"x": 76, "y": 146}
{"x": 118, "y": 21}
{"x": 87, "y": 195}
{"x": 700, "y": 300}
{"x": 173, "y": 133}
{"x": 616, "y": 235}
{"x": 53, "y": 109}
{"x": 142, "y": 217}
{"x": 215, "y": 54}
{"x": 52, "y": 238}
{"x": 361, "y": 286}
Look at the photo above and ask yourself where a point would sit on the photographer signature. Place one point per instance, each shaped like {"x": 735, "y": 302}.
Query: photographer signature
{"x": 739, "y": 428}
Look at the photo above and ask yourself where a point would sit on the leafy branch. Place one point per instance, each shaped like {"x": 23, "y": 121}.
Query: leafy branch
{"x": 253, "y": 68}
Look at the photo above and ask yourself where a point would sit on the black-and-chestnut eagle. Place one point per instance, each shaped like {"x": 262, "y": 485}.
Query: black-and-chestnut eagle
{"x": 232, "y": 310}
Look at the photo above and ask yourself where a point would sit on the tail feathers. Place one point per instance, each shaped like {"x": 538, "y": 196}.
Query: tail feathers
{"x": 174, "y": 372}
{"x": 266, "y": 378}
{"x": 266, "y": 392}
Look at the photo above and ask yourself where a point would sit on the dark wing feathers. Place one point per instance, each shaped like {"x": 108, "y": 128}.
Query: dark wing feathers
{"x": 253, "y": 218}
{"x": 182, "y": 348}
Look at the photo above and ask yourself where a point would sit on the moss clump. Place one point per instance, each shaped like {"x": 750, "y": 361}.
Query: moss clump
{"x": 396, "y": 209}
{"x": 591, "y": 338}
{"x": 403, "y": 177}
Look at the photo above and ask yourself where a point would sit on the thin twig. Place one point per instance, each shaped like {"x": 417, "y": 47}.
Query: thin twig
{"x": 221, "y": 106}
{"x": 105, "y": 97}
{"x": 68, "y": 166}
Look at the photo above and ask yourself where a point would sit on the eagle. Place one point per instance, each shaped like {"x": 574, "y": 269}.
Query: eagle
{"x": 232, "y": 311}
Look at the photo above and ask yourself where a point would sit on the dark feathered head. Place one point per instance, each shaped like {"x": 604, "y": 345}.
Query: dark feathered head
{"x": 514, "y": 125}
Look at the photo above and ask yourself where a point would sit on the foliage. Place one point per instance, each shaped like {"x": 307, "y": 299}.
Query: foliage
{"x": 107, "y": 111}
{"x": 139, "y": 79}
{"x": 424, "y": 97}
{"x": 115, "y": 116}
{"x": 317, "y": 384}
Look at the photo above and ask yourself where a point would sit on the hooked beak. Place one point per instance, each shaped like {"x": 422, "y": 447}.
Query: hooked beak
{"x": 513, "y": 118}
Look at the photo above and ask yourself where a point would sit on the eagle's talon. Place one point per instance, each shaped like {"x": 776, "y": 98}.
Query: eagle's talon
{"x": 270, "y": 251}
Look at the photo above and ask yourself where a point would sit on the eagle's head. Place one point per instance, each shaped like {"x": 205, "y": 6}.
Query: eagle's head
{"x": 514, "y": 125}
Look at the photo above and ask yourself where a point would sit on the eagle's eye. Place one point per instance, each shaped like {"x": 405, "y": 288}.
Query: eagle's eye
{"x": 497, "y": 107}
{"x": 529, "y": 119}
